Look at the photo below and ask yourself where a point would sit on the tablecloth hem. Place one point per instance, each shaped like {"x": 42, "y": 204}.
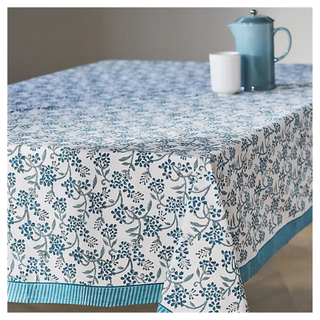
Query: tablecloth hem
{"x": 98, "y": 296}
{"x": 281, "y": 238}
{"x": 163, "y": 309}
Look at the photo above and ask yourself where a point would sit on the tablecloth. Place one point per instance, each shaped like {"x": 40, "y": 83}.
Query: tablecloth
{"x": 131, "y": 182}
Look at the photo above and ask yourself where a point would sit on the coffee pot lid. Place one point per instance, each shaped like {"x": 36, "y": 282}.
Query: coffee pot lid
{"x": 254, "y": 18}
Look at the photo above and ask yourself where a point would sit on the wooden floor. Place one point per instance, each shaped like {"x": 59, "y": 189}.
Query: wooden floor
{"x": 284, "y": 284}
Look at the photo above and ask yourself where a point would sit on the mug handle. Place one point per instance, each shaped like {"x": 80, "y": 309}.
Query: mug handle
{"x": 290, "y": 41}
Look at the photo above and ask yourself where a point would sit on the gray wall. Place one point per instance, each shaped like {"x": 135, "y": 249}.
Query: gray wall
{"x": 45, "y": 40}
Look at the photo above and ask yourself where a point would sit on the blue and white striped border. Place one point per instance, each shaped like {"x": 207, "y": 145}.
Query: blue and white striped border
{"x": 64, "y": 293}
{"x": 163, "y": 309}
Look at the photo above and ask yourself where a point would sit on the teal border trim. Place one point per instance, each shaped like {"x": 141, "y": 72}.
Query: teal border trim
{"x": 105, "y": 296}
{"x": 163, "y": 309}
{"x": 282, "y": 237}
{"x": 98, "y": 296}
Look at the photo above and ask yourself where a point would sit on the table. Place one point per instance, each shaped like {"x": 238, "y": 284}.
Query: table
{"x": 131, "y": 182}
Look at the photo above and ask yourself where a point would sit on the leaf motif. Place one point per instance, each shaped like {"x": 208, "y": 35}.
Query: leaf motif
{"x": 226, "y": 279}
{"x": 205, "y": 278}
{"x": 94, "y": 183}
{"x": 53, "y": 225}
{"x": 98, "y": 172}
{"x": 39, "y": 246}
{"x": 12, "y": 265}
{"x": 44, "y": 154}
{"x": 30, "y": 177}
{"x": 149, "y": 206}
{"x": 88, "y": 271}
{"x": 197, "y": 224}
{"x": 177, "y": 187}
{"x": 102, "y": 252}
{"x": 132, "y": 229}
{"x": 198, "y": 272}
{"x": 159, "y": 273}
{"x": 189, "y": 277}
{"x": 79, "y": 205}
{"x": 125, "y": 158}
{"x": 152, "y": 196}
{"x": 162, "y": 264}
{"x": 195, "y": 166}
{"x": 113, "y": 243}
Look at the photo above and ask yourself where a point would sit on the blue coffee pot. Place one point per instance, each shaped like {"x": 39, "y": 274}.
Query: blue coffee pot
{"x": 254, "y": 36}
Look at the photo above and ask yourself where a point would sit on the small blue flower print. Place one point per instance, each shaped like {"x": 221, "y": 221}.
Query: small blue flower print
{"x": 47, "y": 176}
{"x": 56, "y": 245}
{"x": 130, "y": 278}
{"x": 109, "y": 231}
{"x": 11, "y": 179}
{"x": 215, "y": 236}
{"x": 97, "y": 203}
{"x": 209, "y": 266}
{"x": 177, "y": 297}
{"x": 152, "y": 226}
{"x": 35, "y": 158}
{"x": 77, "y": 255}
{"x": 166, "y": 253}
{"x": 69, "y": 270}
{"x": 106, "y": 270}
{"x": 22, "y": 199}
{"x": 120, "y": 213}
{"x": 32, "y": 266}
{"x": 175, "y": 206}
{"x": 156, "y": 186}
{"x": 18, "y": 246}
{"x": 75, "y": 224}
{"x": 176, "y": 234}
{"x": 60, "y": 205}
{"x": 195, "y": 203}
{"x": 17, "y": 162}
{"x": 118, "y": 180}
{"x": 102, "y": 161}
{"x": 27, "y": 229}
{"x": 144, "y": 159}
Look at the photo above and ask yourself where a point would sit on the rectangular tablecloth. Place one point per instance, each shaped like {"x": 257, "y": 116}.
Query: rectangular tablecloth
{"x": 131, "y": 182}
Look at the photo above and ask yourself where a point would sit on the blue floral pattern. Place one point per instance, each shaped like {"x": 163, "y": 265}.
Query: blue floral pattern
{"x": 123, "y": 173}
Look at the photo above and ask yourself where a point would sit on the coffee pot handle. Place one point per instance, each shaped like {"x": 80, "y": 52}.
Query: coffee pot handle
{"x": 290, "y": 41}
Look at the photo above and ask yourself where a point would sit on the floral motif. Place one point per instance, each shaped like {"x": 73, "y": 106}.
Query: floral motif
{"x": 118, "y": 182}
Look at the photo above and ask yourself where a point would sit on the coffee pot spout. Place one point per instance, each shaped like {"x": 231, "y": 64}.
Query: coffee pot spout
{"x": 234, "y": 29}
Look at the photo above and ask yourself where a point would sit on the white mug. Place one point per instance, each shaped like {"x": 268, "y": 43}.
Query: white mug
{"x": 225, "y": 71}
